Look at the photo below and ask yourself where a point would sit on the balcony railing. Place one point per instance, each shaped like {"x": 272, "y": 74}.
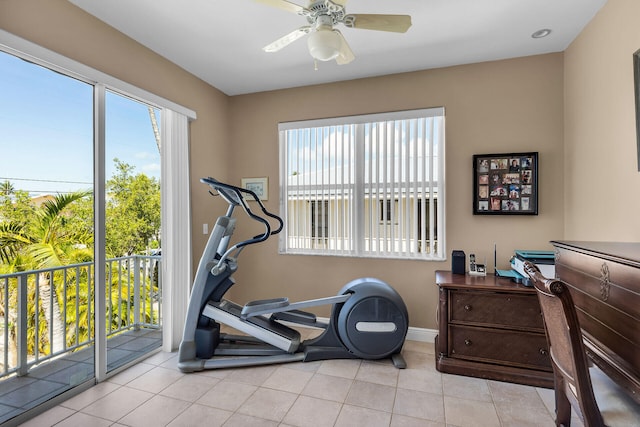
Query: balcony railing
{"x": 47, "y": 313}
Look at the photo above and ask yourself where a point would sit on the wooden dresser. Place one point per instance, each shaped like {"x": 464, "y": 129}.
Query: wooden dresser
{"x": 490, "y": 327}
{"x": 604, "y": 280}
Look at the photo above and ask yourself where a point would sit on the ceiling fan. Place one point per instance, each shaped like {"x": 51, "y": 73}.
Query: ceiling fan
{"x": 325, "y": 42}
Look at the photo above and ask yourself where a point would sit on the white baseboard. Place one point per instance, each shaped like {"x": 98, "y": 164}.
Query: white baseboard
{"x": 421, "y": 334}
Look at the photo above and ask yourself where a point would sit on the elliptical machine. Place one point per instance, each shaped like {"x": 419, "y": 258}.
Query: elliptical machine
{"x": 368, "y": 319}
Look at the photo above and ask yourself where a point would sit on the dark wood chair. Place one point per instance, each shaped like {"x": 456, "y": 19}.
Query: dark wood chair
{"x": 595, "y": 398}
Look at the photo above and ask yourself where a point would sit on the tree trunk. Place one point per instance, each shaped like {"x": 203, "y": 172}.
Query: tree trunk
{"x": 11, "y": 330}
{"x": 52, "y": 313}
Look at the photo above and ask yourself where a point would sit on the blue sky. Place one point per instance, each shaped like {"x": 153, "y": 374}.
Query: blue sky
{"x": 46, "y": 130}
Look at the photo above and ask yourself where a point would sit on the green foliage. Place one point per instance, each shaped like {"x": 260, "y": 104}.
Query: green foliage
{"x": 41, "y": 332}
{"x": 78, "y": 221}
{"x": 42, "y": 238}
{"x": 6, "y": 188}
{"x": 15, "y": 206}
{"x": 133, "y": 212}
{"x": 120, "y": 297}
{"x": 11, "y": 239}
{"x": 77, "y": 304}
{"x": 60, "y": 232}
{"x": 15, "y": 210}
{"x": 42, "y": 341}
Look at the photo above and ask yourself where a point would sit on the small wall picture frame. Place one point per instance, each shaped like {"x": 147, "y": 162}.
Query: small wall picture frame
{"x": 260, "y": 186}
{"x": 505, "y": 184}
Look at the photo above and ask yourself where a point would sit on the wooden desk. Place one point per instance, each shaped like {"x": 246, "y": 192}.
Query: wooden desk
{"x": 491, "y": 327}
{"x": 604, "y": 281}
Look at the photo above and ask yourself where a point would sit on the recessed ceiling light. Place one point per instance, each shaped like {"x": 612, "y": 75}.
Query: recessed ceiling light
{"x": 541, "y": 33}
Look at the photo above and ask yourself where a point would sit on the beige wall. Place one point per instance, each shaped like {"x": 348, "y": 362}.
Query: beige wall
{"x": 504, "y": 106}
{"x": 602, "y": 181}
{"x": 61, "y": 27}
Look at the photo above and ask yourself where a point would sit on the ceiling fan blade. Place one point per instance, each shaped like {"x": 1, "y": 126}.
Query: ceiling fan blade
{"x": 284, "y": 5}
{"x": 393, "y": 23}
{"x": 287, "y": 40}
{"x": 346, "y": 54}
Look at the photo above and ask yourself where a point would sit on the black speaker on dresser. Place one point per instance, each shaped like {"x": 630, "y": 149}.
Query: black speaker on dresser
{"x": 458, "y": 262}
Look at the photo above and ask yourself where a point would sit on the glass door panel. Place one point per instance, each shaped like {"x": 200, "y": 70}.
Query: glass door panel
{"x": 133, "y": 251}
{"x": 46, "y": 235}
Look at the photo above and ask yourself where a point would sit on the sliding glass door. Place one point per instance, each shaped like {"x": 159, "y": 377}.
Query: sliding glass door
{"x": 80, "y": 246}
{"x": 132, "y": 224}
{"x": 46, "y": 234}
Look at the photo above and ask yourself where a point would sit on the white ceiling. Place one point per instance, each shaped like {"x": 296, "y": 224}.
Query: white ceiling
{"x": 221, "y": 41}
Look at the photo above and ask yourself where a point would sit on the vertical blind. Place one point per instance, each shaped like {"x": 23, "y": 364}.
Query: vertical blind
{"x": 370, "y": 186}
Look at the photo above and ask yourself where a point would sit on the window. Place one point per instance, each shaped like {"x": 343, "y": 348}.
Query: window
{"x": 369, "y": 186}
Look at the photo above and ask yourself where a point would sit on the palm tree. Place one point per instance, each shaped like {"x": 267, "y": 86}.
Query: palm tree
{"x": 7, "y": 188}
{"x": 10, "y": 240}
{"x": 45, "y": 243}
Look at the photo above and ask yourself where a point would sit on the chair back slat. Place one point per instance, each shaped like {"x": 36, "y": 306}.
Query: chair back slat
{"x": 568, "y": 355}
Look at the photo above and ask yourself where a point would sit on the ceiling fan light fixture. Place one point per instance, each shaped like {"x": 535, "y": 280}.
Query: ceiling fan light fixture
{"x": 325, "y": 42}
{"x": 324, "y": 45}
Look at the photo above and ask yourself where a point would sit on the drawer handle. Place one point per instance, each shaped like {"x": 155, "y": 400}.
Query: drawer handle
{"x": 543, "y": 351}
{"x": 467, "y": 342}
{"x": 467, "y": 307}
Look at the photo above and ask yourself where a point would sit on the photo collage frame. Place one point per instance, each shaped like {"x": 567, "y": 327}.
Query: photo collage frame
{"x": 505, "y": 184}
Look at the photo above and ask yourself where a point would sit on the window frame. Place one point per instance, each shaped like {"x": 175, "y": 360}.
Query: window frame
{"x": 357, "y": 238}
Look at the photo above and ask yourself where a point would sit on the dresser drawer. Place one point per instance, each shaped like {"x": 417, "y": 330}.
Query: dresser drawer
{"x": 495, "y": 309}
{"x": 513, "y": 348}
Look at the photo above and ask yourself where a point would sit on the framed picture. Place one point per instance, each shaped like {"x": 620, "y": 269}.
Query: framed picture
{"x": 260, "y": 186}
{"x": 505, "y": 184}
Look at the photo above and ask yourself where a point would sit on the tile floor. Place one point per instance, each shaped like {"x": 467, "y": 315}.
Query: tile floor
{"x": 19, "y": 394}
{"x": 346, "y": 393}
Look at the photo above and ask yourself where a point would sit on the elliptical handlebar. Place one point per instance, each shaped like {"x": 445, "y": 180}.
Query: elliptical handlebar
{"x": 233, "y": 195}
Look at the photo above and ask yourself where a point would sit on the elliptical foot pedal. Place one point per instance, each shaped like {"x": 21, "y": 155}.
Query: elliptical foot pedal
{"x": 255, "y": 308}
{"x": 296, "y": 316}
